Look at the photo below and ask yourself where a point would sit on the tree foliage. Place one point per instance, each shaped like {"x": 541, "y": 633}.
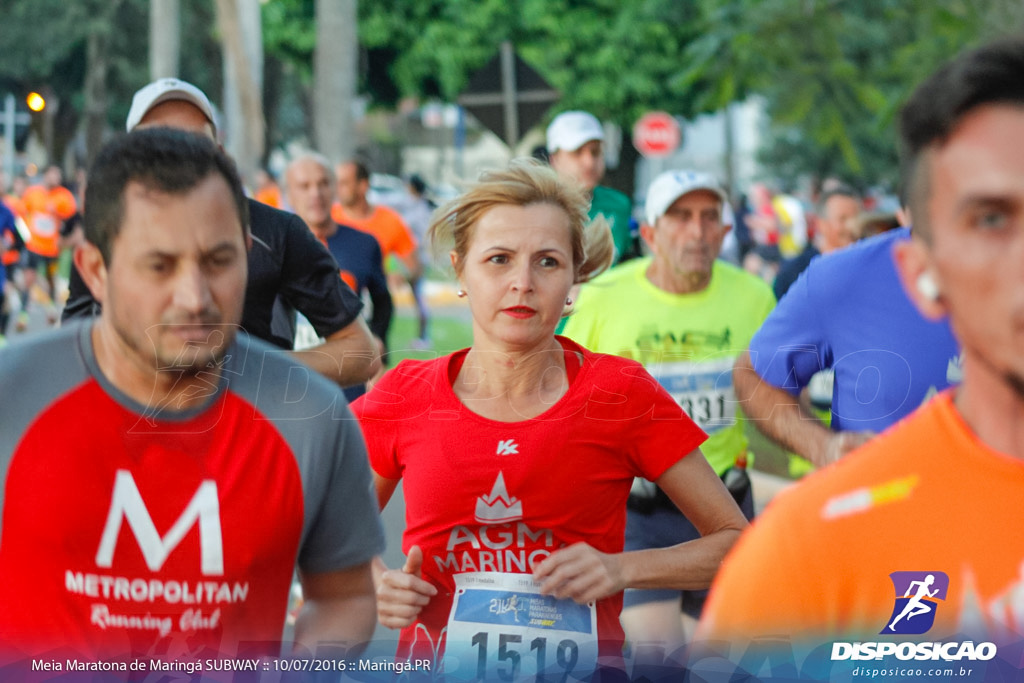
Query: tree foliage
{"x": 834, "y": 73}
{"x": 616, "y": 59}
{"x": 45, "y": 48}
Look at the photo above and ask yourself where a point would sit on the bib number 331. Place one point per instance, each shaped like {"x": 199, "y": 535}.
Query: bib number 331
{"x": 501, "y": 628}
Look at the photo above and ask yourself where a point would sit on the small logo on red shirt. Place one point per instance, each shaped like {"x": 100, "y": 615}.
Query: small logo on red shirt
{"x": 498, "y": 507}
{"x": 508, "y": 447}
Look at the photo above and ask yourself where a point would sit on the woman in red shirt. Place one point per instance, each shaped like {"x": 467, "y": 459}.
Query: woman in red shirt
{"x": 517, "y": 455}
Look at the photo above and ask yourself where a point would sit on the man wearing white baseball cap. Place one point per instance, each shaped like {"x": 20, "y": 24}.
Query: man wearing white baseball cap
{"x": 288, "y": 267}
{"x": 685, "y": 315}
{"x": 167, "y": 90}
{"x": 575, "y": 145}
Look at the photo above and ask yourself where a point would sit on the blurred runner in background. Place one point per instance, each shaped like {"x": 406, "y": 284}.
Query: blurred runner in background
{"x": 685, "y": 315}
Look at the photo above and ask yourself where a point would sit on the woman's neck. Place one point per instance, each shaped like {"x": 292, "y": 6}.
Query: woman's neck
{"x": 511, "y": 386}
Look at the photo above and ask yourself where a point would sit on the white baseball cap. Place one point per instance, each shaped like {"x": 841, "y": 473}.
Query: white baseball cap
{"x": 671, "y": 185}
{"x": 165, "y": 90}
{"x": 570, "y": 130}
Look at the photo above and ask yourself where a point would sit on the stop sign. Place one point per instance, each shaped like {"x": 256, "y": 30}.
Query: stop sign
{"x": 656, "y": 134}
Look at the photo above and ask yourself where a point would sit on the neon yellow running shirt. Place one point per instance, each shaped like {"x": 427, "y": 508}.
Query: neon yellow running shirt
{"x": 687, "y": 341}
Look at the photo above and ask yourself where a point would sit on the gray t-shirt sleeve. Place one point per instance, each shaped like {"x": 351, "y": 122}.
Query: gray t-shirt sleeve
{"x": 341, "y": 521}
{"x": 345, "y": 530}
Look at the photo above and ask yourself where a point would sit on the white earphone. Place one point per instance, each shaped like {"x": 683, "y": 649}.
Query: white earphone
{"x": 927, "y": 286}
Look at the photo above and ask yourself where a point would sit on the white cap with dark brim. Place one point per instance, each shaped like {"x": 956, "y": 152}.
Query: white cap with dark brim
{"x": 165, "y": 90}
{"x": 671, "y": 185}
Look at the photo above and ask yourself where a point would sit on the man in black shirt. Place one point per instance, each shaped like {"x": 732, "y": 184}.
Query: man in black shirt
{"x": 286, "y": 262}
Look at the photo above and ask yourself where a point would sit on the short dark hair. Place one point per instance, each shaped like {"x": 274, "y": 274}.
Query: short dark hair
{"x": 991, "y": 74}
{"x": 417, "y": 183}
{"x": 163, "y": 159}
{"x": 362, "y": 172}
{"x": 839, "y": 191}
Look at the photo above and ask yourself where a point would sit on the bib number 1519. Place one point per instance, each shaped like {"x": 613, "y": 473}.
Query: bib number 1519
{"x": 510, "y": 655}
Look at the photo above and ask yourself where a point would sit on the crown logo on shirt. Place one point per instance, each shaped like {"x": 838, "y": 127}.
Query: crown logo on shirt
{"x": 498, "y": 507}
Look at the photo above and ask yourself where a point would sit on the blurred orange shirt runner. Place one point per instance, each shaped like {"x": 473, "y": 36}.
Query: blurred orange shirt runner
{"x": 927, "y": 496}
{"x": 45, "y": 210}
{"x": 383, "y": 223}
{"x": 271, "y": 196}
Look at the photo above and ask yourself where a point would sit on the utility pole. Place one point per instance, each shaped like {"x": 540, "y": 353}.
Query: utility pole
{"x": 164, "y": 39}
{"x": 11, "y": 118}
{"x": 335, "y": 62}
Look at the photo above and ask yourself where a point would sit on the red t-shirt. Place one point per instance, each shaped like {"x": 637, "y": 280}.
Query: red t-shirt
{"x": 149, "y": 536}
{"x": 483, "y": 495}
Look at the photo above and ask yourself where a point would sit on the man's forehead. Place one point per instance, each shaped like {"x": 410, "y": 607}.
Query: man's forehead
{"x": 590, "y": 145}
{"x": 700, "y": 197}
{"x": 179, "y": 114}
{"x": 204, "y": 200}
{"x": 976, "y": 154}
{"x": 839, "y": 202}
{"x": 308, "y": 171}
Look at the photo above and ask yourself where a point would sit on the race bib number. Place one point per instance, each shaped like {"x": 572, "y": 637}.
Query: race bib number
{"x": 501, "y": 628}
{"x": 703, "y": 389}
{"x": 44, "y": 225}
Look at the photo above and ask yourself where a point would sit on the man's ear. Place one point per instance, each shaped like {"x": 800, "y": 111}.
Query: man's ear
{"x": 919, "y": 279}
{"x": 89, "y": 262}
{"x": 647, "y": 235}
{"x": 904, "y": 217}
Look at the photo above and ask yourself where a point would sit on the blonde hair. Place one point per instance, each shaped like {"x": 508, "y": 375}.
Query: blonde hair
{"x": 525, "y": 182}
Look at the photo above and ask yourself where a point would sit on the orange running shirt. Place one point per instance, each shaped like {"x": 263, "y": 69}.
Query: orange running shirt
{"x": 926, "y": 497}
{"x": 271, "y": 196}
{"x": 384, "y": 224}
{"x": 45, "y": 211}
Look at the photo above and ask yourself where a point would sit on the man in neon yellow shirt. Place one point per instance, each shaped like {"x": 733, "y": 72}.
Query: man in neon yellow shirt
{"x": 685, "y": 315}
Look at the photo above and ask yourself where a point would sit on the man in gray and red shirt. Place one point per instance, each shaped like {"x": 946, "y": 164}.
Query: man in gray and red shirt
{"x": 161, "y": 477}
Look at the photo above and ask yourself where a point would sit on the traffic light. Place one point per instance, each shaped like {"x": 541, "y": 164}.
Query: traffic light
{"x": 35, "y": 102}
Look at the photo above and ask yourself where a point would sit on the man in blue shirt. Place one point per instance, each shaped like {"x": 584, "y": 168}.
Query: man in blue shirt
{"x": 8, "y": 233}
{"x": 309, "y": 186}
{"x": 850, "y": 313}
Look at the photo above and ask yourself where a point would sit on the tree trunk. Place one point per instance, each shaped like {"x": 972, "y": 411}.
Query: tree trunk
{"x": 243, "y": 129}
{"x": 272, "y": 80}
{"x": 97, "y": 68}
{"x": 98, "y": 64}
{"x": 334, "y": 76}
{"x": 164, "y": 38}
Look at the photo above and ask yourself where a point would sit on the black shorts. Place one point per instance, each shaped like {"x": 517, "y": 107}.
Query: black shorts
{"x": 34, "y": 260}
{"x": 662, "y": 527}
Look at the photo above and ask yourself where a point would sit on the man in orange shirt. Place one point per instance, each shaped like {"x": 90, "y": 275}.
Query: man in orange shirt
{"x": 386, "y": 225}
{"x": 46, "y": 207}
{"x": 267, "y": 190}
{"x": 882, "y": 560}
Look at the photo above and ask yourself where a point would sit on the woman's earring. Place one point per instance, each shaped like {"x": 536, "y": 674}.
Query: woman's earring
{"x": 460, "y": 293}
{"x": 568, "y": 301}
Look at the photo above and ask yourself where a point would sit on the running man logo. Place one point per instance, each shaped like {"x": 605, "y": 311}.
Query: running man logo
{"x": 917, "y": 596}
